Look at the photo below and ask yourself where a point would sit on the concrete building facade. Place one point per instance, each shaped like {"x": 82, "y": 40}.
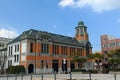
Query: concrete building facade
{"x": 4, "y": 42}
{"x": 44, "y": 52}
{"x": 3, "y": 51}
{"x": 3, "y": 57}
{"x": 109, "y": 43}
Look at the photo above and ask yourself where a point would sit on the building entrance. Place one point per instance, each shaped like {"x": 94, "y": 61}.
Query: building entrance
{"x": 30, "y": 68}
{"x": 55, "y": 65}
{"x": 72, "y": 66}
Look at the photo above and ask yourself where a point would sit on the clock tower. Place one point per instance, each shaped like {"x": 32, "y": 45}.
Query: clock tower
{"x": 81, "y": 32}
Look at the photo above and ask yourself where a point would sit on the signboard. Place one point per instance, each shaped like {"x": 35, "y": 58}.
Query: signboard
{"x": 89, "y": 65}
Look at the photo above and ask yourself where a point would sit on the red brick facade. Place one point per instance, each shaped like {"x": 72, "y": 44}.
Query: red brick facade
{"x": 109, "y": 43}
{"x": 45, "y": 52}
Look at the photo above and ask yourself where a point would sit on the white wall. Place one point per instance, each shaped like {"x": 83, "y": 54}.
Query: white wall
{"x": 12, "y": 57}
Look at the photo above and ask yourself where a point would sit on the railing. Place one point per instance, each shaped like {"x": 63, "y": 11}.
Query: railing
{"x": 69, "y": 76}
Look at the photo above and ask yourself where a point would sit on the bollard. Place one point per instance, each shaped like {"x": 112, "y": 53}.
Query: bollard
{"x": 7, "y": 76}
{"x": 115, "y": 76}
{"x": 21, "y": 76}
{"x": 55, "y": 76}
{"x": 89, "y": 76}
{"x": 70, "y": 75}
{"x": 42, "y": 76}
{"x": 16, "y": 76}
{"x": 31, "y": 76}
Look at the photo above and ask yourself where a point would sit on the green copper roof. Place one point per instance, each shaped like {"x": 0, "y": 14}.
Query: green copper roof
{"x": 81, "y": 23}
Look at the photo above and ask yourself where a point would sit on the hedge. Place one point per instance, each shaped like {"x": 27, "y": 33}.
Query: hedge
{"x": 16, "y": 69}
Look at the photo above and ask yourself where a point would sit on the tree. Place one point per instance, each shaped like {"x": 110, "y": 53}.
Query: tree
{"x": 80, "y": 59}
{"x": 114, "y": 58}
{"x": 97, "y": 57}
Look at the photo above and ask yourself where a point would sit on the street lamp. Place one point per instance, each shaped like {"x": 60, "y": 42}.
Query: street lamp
{"x": 64, "y": 62}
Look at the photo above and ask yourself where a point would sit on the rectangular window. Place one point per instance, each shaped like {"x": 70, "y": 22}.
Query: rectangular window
{"x": 105, "y": 45}
{"x": 72, "y": 50}
{"x": 15, "y": 48}
{"x": 18, "y": 47}
{"x": 14, "y": 58}
{"x": 11, "y": 49}
{"x": 42, "y": 64}
{"x": 17, "y": 58}
{"x": 79, "y": 51}
{"x": 64, "y": 50}
{"x": 47, "y": 63}
{"x": 31, "y": 47}
{"x": 9, "y": 62}
{"x": 118, "y": 44}
{"x": 44, "y": 48}
{"x": 55, "y": 49}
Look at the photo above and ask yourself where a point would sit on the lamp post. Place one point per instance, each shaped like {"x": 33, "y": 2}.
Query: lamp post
{"x": 64, "y": 62}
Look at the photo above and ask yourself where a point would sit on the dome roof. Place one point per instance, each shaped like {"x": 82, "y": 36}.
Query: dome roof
{"x": 81, "y": 23}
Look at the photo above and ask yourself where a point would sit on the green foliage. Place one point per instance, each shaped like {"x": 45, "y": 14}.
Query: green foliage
{"x": 114, "y": 58}
{"x": 95, "y": 56}
{"x": 79, "y": 59}
{"x": 116, "y": 69}
{"x": 98, "y": 56}
{"x": 11, "y": 70}
{"x": 91, "y": 56}
{"x": 76, "y": 58}
{"x": 16, "y": 69}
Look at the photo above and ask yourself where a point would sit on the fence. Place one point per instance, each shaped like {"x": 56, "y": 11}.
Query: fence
{"x": 55, "y": 76}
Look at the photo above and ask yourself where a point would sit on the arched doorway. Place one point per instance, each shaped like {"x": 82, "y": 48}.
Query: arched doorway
{"x": 30, "y": 68}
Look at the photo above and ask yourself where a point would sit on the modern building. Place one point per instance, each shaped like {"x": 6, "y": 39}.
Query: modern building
{"x": 109, "y": 43}
{"x": 41, "y": 51}
{"x": 3, "y": 51}
{"x": 3, "y": 58}
{"x": 4, "y": 42}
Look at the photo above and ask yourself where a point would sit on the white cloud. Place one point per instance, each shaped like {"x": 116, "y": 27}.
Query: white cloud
{"x": 8, "y": 33}
{"x": 65, "y": 3}
{"x": 96, "y": 5}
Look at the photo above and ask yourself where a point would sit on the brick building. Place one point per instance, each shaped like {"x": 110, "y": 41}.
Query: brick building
{"x": 41, "y": 51}
{"x": 109, "y": 43}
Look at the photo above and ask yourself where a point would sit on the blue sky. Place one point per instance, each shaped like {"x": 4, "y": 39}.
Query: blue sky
{"x": 61, "y": 17}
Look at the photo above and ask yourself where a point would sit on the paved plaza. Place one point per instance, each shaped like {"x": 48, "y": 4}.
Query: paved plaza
{"x": 65, "y": 77}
